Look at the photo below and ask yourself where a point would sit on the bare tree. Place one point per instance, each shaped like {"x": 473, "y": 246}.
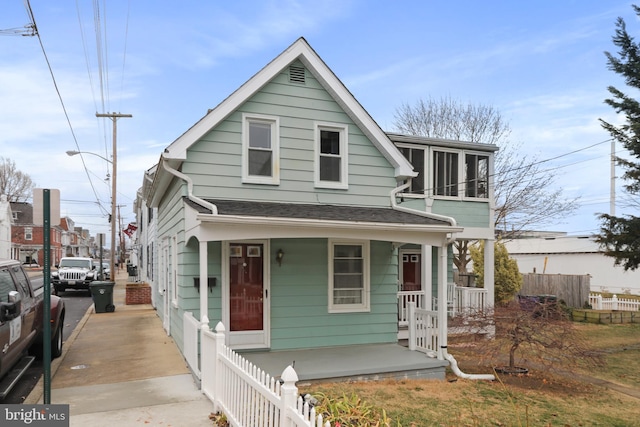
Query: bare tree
{"x": 16, "y": 185}
{"x": 530, "y": 333}
{"x": 523, "y": 188}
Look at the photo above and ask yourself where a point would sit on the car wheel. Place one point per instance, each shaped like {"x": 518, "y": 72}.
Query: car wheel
{"x": 57, "y": 290}
{"x": 56, "y": 342}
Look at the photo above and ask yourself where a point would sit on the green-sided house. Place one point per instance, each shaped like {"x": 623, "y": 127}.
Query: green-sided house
{"x": 289, "y": 216}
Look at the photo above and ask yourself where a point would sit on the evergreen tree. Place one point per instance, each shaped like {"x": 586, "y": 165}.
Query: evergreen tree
{"x": 619, "y": 236}
{"x": 507, "y": 280}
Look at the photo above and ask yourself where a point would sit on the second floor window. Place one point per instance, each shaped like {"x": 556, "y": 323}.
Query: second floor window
{"x": 445, "y": 173}
{"x": 331, "y": 156}
{"x": 416, "y": 158}
{"x": 476, "y": 176}
{"x": 28, "y": 233}
{"x": 260, "y": 149}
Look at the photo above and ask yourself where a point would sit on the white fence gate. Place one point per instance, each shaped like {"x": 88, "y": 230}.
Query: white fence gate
{"x": 423, "y": 330}
{"x": 246, "y": 395}
{"x": 613, "y": 303}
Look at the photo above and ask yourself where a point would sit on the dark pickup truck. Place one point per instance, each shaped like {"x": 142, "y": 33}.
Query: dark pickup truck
{"x": 21, "y": 324}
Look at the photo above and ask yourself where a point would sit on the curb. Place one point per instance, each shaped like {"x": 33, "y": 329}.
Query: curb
{"x": 37, "y": 393}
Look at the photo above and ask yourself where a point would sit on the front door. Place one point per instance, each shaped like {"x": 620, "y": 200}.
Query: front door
{"x": 411, "y": 279}
{"x": 248, "y": 272}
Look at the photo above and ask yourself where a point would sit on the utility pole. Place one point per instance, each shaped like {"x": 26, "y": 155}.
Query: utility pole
{"x": 114, "y": 117}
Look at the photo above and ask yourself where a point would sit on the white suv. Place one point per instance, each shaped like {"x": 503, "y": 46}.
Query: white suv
{"x": 73, "y": 273}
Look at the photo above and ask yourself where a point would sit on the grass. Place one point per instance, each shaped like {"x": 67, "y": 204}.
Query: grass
{"x": 537, "y": 399}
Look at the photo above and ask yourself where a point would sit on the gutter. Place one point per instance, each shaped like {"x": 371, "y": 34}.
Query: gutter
{"x": 185, "y": 178}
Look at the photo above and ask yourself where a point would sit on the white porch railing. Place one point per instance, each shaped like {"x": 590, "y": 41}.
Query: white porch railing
{"x": 462, "y": 299}
{"x": 246, "y": 395}
{"x": 406, "y": 297}
{"x": 423, "y": 330}
{"x": 613, "y": 303}
{"x": 470, "y": 300}
{"x": 190, "y": 327}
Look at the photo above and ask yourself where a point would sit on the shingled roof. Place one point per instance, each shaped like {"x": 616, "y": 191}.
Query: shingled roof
{"x": 315, "y": 212}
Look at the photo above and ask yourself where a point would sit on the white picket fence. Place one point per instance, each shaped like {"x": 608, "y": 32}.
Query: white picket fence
{"x": 246, "y": 395}
{"x": 423, "y": 330}
{"x": 614, "y": 303}
{"x": 191, "y": 327}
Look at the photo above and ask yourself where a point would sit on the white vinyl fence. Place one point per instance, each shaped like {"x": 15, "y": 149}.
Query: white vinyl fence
{"x": 613, "y": 303}
{"x": 245, "y": 394}
{"x": 191, "y": 327}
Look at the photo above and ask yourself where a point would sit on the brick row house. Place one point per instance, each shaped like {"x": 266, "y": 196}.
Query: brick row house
{"x": 27, "y": 238}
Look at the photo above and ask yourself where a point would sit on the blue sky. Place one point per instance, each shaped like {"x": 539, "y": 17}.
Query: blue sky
{"x": 541, "y": 64}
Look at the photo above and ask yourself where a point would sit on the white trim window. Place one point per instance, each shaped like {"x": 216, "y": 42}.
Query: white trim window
{"x": 349, "y": 281}
{"x": 418, "y": 158}
{"x": 28, "y": 233}
{"x": 331, "y": 156}
{"x": 476, "y": 177}
{"x": 445, "y": 173}
{"x": 260, "y": 149}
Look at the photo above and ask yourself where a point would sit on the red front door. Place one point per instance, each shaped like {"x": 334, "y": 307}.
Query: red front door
{"x": 411, "y": 272}
{"x": 246, "y": 286}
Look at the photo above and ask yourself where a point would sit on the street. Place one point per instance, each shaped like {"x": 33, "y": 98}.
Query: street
{"x": 76, "y": 305}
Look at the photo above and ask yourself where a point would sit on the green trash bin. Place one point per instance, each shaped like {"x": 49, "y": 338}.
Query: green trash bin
{"x": 102, "y": 293}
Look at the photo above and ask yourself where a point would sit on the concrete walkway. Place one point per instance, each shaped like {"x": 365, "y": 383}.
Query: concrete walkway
{"x": 122, "y": 369}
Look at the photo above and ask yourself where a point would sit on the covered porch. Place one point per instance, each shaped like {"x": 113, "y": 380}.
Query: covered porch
{"x": 355, "y": 362}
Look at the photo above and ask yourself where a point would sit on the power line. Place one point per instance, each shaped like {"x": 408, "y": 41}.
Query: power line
{"x": 55, "y": 85}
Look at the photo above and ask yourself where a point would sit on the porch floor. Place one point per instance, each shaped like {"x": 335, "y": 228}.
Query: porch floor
{"x": 356, "y": 362}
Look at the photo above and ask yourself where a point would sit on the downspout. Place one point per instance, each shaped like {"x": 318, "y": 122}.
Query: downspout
{"x": 444, "y": 262}
{"x": 185, "y": 178}
{"x": 443, "y": 339}
{"x": 394, "y": 205}
{"x": 203, "y": 273}
{"x": 459, "y": 373}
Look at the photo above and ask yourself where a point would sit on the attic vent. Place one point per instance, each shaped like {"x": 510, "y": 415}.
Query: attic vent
{"x": 296, "y": 74}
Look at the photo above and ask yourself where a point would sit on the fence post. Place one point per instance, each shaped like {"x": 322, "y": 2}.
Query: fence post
{"x": 217, "y": 364}
{"x": 411, "y": 318}
{"x": 289, "y": 394}
{"x": 614, "y": 302}
{"x": 599, "y": 302}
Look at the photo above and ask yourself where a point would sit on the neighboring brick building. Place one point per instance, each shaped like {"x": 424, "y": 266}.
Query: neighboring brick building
{"x": 27, "y": 238}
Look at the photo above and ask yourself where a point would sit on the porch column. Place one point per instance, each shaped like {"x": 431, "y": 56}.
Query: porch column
{"x": 442, "y": 299}
{"x": 427, "y": 276}
{"x": 204, "y": 280}
{"x": 489, "y": 273}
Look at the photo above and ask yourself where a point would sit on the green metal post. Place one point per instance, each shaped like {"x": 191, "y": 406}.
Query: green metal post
{"x": 46, "y": 333}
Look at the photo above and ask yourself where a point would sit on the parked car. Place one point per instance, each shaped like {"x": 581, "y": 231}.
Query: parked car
{"x": 106, "y": 269}
{"x": 22, "y": 324}
{"x": 73, "y": 273}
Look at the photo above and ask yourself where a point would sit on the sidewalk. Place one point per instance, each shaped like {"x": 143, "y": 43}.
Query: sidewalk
{"x": 122, "y": 369}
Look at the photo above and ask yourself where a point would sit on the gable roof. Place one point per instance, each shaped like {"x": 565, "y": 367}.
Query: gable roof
{"x": 299, "y": 50}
